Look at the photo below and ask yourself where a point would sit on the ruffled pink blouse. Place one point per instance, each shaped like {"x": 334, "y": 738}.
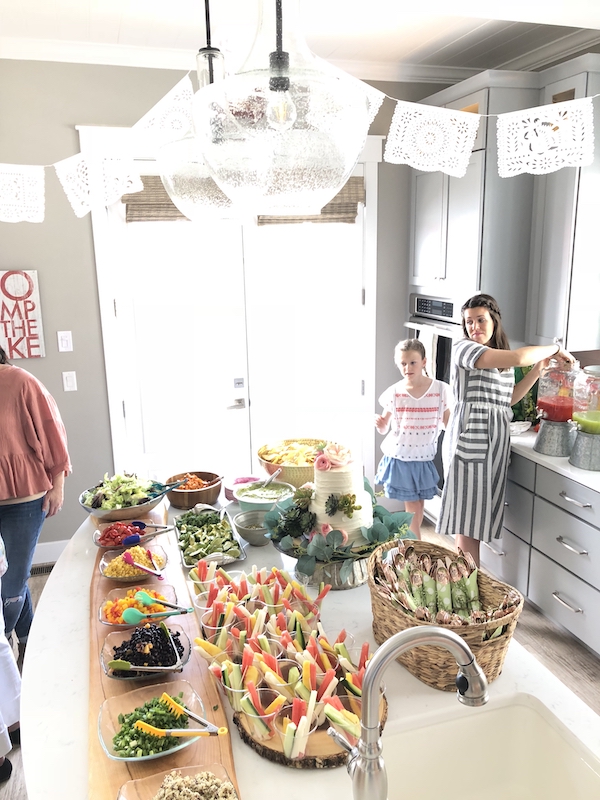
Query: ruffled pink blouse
{"x": 33, "y": 440}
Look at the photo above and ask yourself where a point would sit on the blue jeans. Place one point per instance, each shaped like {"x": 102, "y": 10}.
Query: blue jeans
{"x": 20, "y": 526}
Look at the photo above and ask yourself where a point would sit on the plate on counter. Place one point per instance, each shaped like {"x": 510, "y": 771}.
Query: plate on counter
{"x": 136, "y": 574}
{"x": 198, "y": 539}
{"x": 520, "y": 426}
{"x": 168, "y": 592}
{"x": 144, "y": 537}
{"x": 125, "y": 708}
{"x": 147, "y": 788}
{"x": 119, "y": 638}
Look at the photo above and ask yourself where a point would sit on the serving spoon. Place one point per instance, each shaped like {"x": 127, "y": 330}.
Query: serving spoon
{"x": 148, "y": 600}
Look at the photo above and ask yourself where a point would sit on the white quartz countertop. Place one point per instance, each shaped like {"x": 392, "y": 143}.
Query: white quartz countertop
{"x": 523, "y": 445}
{"x": 54, "y": 713}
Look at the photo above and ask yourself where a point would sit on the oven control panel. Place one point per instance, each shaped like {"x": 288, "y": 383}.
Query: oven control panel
{"x": 434, "y": 308}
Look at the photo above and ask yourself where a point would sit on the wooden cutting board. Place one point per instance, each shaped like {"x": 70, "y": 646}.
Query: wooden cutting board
{"x": 105, "y": 775}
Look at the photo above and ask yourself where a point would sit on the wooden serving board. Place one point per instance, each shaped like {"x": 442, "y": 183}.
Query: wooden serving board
{"x": 105, "y": 775}
{"x": 322, "y": 752}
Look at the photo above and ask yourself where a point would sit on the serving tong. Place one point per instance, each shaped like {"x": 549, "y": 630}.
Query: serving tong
{"x": 208, "y": 729}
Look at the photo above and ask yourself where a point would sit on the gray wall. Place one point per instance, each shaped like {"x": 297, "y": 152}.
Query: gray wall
{"x": 40, "y": 105}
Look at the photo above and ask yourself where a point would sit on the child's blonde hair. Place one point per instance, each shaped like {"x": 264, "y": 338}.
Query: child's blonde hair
{"x": 406, "y": 345}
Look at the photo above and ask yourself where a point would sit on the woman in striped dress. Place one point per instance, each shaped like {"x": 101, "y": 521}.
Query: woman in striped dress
{"x": 477, "y": 442}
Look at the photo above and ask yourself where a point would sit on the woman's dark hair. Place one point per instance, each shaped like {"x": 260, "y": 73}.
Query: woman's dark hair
{"x": 499, "y": 340}
{"x": 3, "y": 356}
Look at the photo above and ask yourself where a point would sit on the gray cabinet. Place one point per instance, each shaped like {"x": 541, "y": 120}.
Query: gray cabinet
{"x": 564, "y": 280}
{"x": 472, "y": 233}
{"x": 508, "y": 557}
{"x": 550, "y": 546}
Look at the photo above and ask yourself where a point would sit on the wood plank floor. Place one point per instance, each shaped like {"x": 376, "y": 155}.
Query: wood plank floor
{"x": 555, "y": 648}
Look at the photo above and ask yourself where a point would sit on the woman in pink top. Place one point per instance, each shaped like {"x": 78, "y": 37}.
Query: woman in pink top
{"x": 33, "y": 463}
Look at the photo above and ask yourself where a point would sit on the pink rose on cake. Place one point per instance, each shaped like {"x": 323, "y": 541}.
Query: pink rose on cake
{"x": 322, "y": 462}
{"x": 337, "y": 454}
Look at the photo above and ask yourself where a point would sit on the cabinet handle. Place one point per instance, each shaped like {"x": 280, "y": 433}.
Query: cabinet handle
{"x": 494, "y": 551}
{"x": 564, "y": 603}
{"x": 570, "y": 547}
{"x": 506, "y": 504}
{"x": 566, "y": 497}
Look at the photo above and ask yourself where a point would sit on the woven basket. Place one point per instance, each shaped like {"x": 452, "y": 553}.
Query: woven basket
{"x": 434, "y": 665}
{"x": 290, "y": 473}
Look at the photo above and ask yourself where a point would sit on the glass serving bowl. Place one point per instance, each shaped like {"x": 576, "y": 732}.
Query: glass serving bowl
{"x": 147, "y": 788}
{"x": 110, "y": 555}
{"x": 115, "y": 514}
{"x": 145, "y": 537}
{"x": 112, "y": 707}
{"x": 116, "y": 639}
{"x": 166, "y": 590}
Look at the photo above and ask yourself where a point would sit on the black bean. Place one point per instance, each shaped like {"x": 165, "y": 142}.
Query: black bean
{"x": 147, "y": 647}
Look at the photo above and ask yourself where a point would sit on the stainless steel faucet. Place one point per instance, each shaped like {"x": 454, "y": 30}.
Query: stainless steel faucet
{"x": 365, "y": 763}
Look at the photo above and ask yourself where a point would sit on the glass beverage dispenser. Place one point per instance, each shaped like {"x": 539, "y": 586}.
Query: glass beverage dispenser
{"x": 556, "y": 435}
{"x": 586, "y": 413}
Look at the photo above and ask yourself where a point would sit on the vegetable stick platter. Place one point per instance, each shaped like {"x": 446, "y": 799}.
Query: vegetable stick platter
{"x": 106, "y": 776}
{"x": 321, "y": 753}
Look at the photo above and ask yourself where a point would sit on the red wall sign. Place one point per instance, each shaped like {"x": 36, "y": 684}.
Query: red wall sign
{"x": 21, "y": 332}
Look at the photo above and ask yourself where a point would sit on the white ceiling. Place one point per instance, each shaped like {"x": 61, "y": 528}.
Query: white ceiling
{"x": 372, "y": 39}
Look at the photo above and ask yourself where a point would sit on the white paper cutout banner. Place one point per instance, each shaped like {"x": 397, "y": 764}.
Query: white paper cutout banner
{"x": 22, "y": 195}
{"x": 101, "y": 183}
{"x": 171, "y": 117}
{"x": 431, "y": 138}
{"x": 545, "y": 139}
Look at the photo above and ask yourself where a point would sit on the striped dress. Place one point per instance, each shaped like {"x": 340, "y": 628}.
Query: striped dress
{"x": 476, "y": 447}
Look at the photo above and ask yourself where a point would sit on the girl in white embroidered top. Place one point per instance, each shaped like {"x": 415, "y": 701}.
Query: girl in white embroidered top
{"x": 478, "y": 437}
{"x": 416, "y": 408}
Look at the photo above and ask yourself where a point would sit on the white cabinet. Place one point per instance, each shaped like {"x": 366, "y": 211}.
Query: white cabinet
{"x": 472, "y": 234}
{"x": 564, "y": 281}
{"x": 447, "y": 227}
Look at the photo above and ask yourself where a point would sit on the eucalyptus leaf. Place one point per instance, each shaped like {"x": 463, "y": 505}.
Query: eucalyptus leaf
{"x": 284, "y": 504}
{"x": 368, "y": 488}
{"x": 402, "y": 518}
{"x": 335, "y": 539}
{"x": 306, "y": 565}
{"x": 380, "y": 532}
{"x": 287, "y": 543}
{"x": 272, "y": 518}
{"x": 381, "y": 512}
{"x": 346, "y": 569}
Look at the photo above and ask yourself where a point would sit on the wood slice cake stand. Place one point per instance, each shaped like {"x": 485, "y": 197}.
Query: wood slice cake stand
{"x": 322, "y": 752}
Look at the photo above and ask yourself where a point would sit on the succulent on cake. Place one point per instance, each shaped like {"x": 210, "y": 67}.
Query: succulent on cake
{"x": 345, "y": 503}
{"x": 293, "y": 530}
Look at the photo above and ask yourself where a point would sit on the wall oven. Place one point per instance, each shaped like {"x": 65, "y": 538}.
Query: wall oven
{"x": 436, "y": 322}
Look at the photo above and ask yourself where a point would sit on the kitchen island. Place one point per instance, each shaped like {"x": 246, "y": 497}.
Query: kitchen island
{"x": 54, "y": 713}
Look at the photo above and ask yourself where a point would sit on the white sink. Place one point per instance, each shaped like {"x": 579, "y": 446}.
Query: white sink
{"x": 513, "y": 748}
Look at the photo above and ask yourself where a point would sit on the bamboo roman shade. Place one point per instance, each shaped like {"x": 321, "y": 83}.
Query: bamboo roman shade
{"x": 153, "y": 204}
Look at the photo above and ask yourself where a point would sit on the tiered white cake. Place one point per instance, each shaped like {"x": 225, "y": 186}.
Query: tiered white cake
{"x": 341, "y": 479}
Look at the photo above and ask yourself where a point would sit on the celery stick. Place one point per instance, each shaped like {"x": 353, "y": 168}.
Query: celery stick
{"x": 288, "y": 740}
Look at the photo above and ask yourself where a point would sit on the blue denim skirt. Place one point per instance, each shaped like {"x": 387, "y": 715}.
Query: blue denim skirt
{"x": 407, "y": 480}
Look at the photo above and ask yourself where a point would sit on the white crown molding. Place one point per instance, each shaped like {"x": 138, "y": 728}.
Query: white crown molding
{"x": 161, "y": 58}
{"x": 565, "y": 48}
{"x": 404, "y": 73}
{"x": 93, "y": 53}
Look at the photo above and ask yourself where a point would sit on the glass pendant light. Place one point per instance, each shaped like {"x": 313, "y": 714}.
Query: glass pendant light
{"x": 183, "y": 170}
{"x": 283, "y": 135}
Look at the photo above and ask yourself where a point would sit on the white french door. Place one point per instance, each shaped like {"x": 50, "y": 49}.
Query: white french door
{"x": 221, "y": 337}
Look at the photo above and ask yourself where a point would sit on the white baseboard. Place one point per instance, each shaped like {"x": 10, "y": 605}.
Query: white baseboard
{"x": 48, "y": 552}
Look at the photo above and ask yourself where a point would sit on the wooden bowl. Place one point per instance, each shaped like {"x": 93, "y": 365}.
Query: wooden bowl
{"x": 187, "y": 498}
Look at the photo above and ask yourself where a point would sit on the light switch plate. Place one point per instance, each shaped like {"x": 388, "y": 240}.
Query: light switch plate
{"x": 69, "y": 381}
{"x": 65, "y": 341}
